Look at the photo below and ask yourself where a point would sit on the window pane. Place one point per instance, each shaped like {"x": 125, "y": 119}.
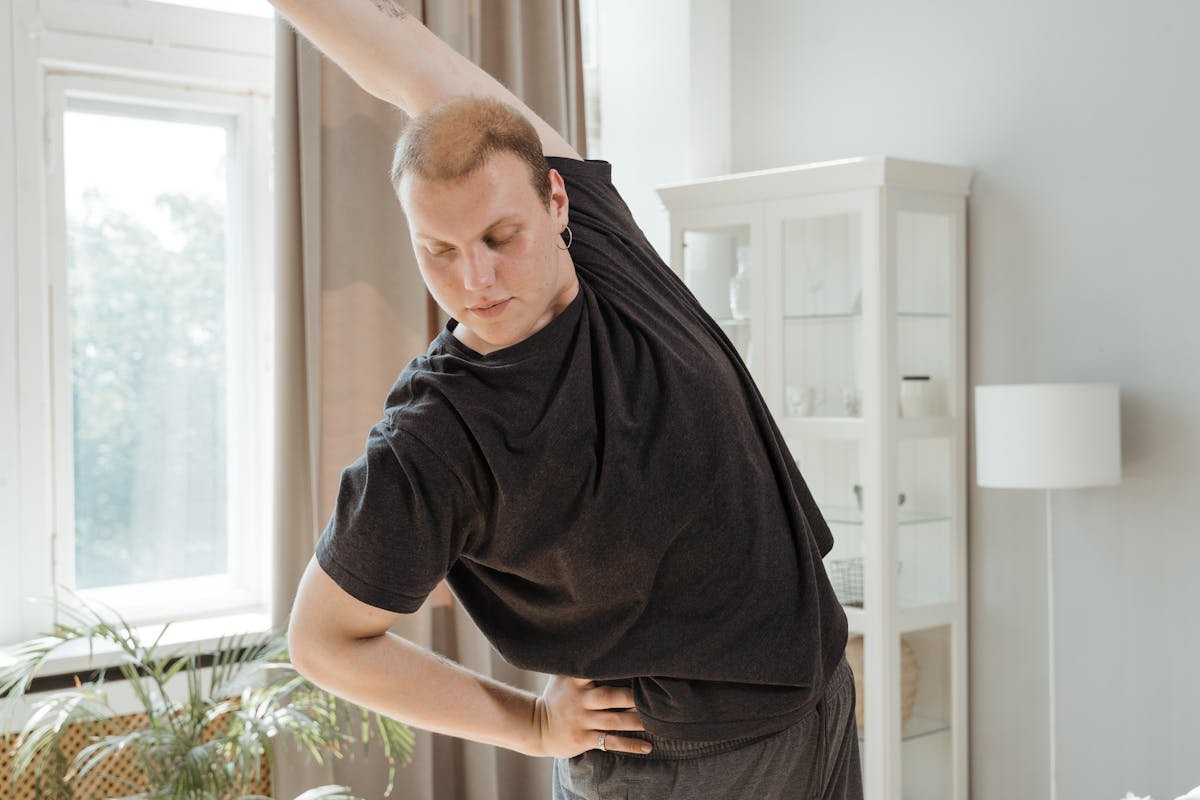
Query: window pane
{"x": 146, "y": 203}
{"x": 589, "y": 33}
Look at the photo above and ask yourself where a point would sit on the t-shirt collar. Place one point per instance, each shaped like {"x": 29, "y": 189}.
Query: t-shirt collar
{"x": 553, "y": 332}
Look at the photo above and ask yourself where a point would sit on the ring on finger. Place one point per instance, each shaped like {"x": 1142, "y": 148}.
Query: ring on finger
{"x": 600, "y": 743}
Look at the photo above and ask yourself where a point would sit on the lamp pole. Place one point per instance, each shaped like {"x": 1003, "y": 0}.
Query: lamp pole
{"x": 1050, "y": 646}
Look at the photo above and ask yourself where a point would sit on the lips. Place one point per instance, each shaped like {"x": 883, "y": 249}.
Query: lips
{"x": 490, "y": 308}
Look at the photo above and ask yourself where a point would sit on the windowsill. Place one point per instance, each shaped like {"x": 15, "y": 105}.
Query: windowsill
{"x": 71, "y": 660}
{"x": 193, "y": 635}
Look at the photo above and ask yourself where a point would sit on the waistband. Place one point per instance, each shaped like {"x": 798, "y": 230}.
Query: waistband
{"x": 666, "y": 748}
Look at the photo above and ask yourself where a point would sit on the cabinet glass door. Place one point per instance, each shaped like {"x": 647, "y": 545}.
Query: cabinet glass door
{"x": 832, "y": 469}
{"x": 927, "y": 736}
{"x": 718, "y": 268}
{"x": 822, "y": 335}
{"x": 926, "y": 523}
{"x": 925, "y": 246}
{"x": 924, "y": 241}
{"x": 817, "y": 330}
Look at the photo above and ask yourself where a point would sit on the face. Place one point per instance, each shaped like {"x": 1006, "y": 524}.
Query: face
{"x": 489, "y": 250}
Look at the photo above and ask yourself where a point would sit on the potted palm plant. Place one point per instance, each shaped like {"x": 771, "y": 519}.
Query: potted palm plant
{"x": 211, "y": 745}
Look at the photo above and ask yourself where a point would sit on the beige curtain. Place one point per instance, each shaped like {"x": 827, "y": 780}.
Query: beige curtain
{"x": 352, "y": 311}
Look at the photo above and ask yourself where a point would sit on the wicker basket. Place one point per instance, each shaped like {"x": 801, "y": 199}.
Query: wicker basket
{"x": 910, "y": 675}
{"x": 846, "y": 575}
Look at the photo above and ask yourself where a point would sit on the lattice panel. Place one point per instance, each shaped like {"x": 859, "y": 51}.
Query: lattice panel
{"x": 116, "y": 776}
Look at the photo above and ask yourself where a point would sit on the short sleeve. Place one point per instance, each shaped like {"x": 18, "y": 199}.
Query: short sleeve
{"x": 400, "y": 522}
{"x": 611, "y": 251}
{"x": 593, "y": 197}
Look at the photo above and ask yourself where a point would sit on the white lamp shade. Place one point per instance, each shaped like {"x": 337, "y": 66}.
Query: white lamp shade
{"x": 1047, "y": 436}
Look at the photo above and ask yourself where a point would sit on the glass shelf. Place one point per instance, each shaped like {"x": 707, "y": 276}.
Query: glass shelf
{"x": 804, "y": 317}
{"x": 858, "y": 315}
{"x": 852, "y": 516}
{"x": 935, "y": 426}
{"x": 918, "y": 728}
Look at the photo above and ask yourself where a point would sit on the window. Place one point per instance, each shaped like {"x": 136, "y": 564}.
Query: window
{"x": 589, "y": 31}
{"x": 146, "y": 218}
{"x": 157, "y": 318}
{"x": 144, "y": 324}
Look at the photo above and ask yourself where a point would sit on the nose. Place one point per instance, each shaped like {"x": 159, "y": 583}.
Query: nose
{"x": 479, "y": 271}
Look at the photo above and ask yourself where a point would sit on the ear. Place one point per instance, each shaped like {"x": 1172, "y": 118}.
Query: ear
{"x": 558, "y": 198}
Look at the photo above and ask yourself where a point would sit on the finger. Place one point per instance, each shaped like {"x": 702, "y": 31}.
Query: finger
{"x": 624, "y": 744}
{"x": 603, "y": 697}
{"x": 581, "y": 682}
{"x": 617, "y": 721}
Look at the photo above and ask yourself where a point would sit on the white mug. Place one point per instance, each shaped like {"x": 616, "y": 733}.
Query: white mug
{"x": 916, "y": 396}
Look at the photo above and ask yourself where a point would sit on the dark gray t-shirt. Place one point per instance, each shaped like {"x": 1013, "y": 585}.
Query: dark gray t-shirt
{"x": 608, "y": 499}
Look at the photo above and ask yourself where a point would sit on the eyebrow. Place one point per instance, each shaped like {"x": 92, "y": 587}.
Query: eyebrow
{"x": 500, "y": 223}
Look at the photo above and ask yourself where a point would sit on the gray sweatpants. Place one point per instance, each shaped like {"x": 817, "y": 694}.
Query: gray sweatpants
{"x": 816, "y": 757}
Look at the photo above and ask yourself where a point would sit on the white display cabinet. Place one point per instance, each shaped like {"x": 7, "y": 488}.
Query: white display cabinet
{"x": 853, "y": 325}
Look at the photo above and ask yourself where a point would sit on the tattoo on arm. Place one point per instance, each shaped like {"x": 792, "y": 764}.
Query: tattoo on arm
{"x": 391, "y": 7}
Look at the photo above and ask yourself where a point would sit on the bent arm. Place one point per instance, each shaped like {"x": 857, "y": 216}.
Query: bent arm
{"x": 343, "y": 646}
{"x": 394, "y": 57}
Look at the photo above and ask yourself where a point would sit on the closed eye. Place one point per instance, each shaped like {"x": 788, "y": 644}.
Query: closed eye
{"x": 501, "y": 235}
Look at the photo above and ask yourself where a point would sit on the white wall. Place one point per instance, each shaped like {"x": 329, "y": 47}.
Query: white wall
{"x": 664, "y": 105}
{"x": 1082, "y": 122}
{"x": 642, "y": 53}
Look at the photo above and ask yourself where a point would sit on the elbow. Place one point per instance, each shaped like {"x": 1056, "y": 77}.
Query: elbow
{"x": 303, "y": 652}
{"x": 326, "y": 625}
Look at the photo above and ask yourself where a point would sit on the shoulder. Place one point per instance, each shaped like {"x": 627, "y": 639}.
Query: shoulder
{"x": 581, "y": 168}
{"x": 585, "y": 179}
{"x": 595, "y": 203}
{"x": 423, "y": 420}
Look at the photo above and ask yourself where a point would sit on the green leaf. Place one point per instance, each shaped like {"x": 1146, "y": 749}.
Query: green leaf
{"x": 253, "y": 684}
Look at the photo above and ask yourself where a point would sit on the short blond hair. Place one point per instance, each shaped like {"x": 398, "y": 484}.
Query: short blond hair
{"x": 458, "y": 136}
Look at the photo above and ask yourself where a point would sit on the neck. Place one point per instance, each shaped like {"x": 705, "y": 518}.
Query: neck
{"x": 567, "y": 291}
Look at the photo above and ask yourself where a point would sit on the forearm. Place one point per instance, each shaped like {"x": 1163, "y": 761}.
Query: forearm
{"x": 391, "y": 55}
{"x": 379, "y": 44}
{"x": 401, "y": 680}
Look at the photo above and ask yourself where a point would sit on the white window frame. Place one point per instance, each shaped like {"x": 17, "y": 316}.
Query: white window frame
{"x": 155, "y": 56}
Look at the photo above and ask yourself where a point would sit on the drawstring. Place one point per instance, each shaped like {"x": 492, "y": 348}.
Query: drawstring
{"x": 819, "y": 771}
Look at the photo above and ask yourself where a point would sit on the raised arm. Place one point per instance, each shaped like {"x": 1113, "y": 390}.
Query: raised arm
{"x": 390, "y": 54}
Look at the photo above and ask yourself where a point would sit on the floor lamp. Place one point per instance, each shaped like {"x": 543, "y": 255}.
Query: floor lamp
{"x": 1048, "y": 436}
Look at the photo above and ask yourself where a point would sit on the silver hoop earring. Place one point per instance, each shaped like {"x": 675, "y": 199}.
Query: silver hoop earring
{"x": 570, "y": 238}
